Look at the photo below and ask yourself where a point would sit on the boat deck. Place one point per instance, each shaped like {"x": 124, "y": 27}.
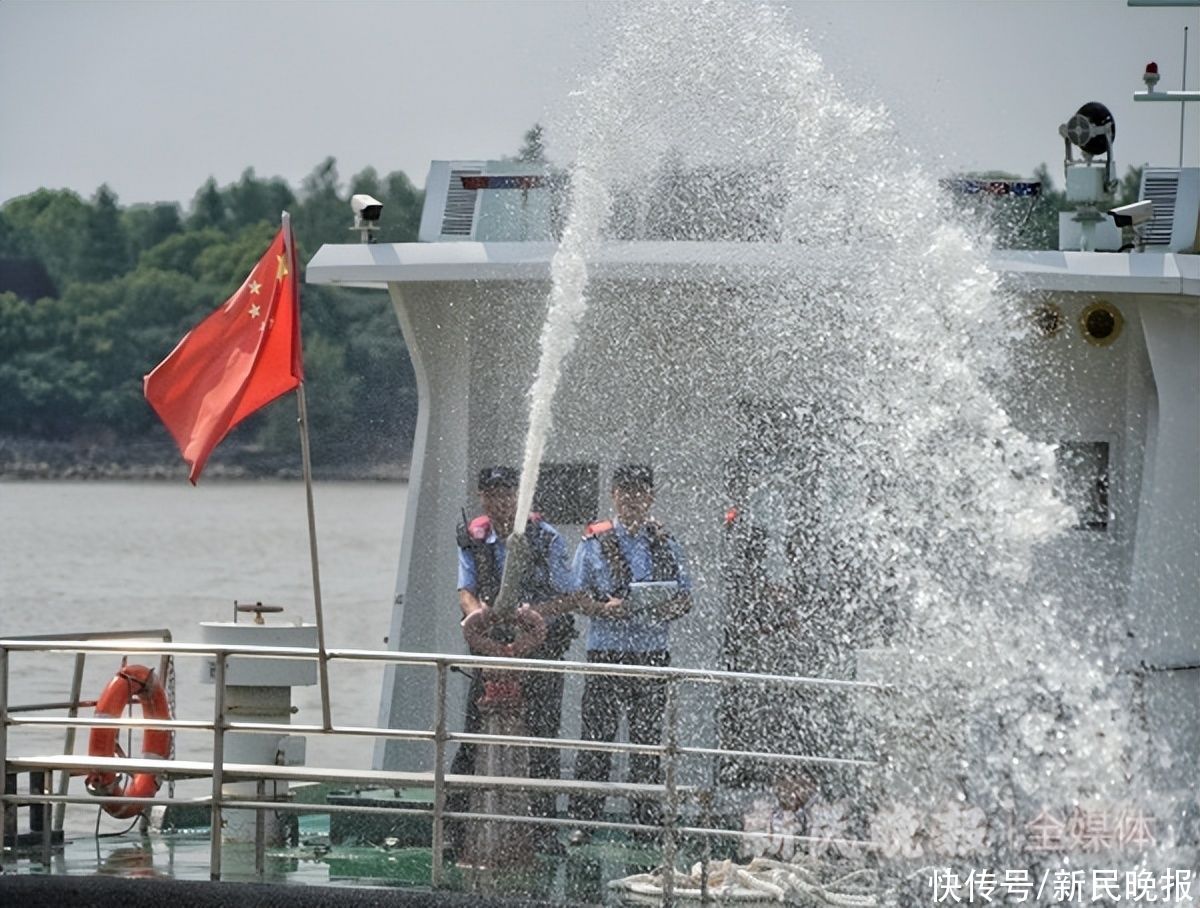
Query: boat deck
{"x": 313, "y": 871}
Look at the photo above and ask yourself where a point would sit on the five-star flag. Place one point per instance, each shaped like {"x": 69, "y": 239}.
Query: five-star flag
{"x": 239, "y": 359}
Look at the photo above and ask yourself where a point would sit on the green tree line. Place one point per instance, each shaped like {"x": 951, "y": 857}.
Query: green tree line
{"x": 122, "y": 285}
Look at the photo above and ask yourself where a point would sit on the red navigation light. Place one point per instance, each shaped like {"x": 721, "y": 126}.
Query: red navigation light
{"x": 1150, "y": 76}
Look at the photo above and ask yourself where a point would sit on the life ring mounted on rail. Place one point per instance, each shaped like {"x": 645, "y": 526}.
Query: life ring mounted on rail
{"x": 133, "y": 683}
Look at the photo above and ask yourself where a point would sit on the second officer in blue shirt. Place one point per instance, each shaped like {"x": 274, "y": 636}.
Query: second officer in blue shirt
{"x": 629, "y": 549}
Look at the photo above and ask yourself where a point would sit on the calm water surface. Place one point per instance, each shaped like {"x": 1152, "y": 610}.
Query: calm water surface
{"x": 92, "y": 556}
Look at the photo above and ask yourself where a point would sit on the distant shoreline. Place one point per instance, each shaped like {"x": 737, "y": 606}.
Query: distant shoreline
{"x": 35, "y": 459}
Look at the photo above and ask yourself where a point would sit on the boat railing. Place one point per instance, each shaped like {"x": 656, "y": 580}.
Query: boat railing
{"x": 73, "y": 703}
{"x": 671, "y": 749}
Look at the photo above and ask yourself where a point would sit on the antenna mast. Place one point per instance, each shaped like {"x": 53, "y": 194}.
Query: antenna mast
{"x": 1183, "y": 87}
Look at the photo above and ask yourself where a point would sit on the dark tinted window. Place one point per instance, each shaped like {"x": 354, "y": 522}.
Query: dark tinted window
{"x": 568, "y": 492}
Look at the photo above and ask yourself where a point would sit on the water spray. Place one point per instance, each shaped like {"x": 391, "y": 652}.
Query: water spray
{"x": 517, "y": 559}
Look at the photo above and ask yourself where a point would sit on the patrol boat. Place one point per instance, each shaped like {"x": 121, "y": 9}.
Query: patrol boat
{"x": 712, "y": 347}
{"x": 720, "y": 350}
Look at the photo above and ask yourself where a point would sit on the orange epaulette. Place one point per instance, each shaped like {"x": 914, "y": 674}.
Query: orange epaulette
{"x": 598, "y": 528}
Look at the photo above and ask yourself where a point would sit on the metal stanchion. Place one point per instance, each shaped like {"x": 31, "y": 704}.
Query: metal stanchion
{"x": 64, "y": 780}
{"x": 439, "y": 774}
{"x": 260, "y": 845}
{"x": 218, "y": 762}
{"x": 706, "y": 822}
{"x": 39, "y": 814}
{"x": 671, "y": 795}
{"x": 4, "y": 816}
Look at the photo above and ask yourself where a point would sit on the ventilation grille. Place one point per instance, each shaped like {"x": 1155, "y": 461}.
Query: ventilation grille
{"x": 1160, "y": 187}
{"x": 458, "y": 217}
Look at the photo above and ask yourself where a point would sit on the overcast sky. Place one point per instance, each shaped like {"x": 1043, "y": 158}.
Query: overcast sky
{"x": 155, "y": 97}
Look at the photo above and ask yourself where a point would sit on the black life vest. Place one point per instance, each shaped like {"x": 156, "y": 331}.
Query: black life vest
{"x": 663, "y": 564}
{"x": 536, "y": 585}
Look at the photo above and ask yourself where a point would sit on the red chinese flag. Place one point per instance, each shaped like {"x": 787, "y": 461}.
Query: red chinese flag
{"x": 237, "y": 360}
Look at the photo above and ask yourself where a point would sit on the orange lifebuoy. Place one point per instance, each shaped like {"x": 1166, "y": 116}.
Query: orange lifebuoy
{"x": 133, "y": 683}
{"x": 530, "y": 631}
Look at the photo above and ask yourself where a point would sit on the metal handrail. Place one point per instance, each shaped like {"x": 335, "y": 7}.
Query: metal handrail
{"x": 670, "y": 749}
{"x": 450, "y": 659}
{"x": 620, "y": 747}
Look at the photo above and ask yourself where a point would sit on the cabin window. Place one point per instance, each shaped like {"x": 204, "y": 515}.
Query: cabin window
{"x": 1047, "y": 319}
{"x": 1083, "y": 481}
{"x": 568, "y": 493}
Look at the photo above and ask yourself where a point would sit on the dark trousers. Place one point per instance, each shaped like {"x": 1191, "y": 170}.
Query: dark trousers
{"x": 606, "y": 698}
{"x": 541, "y": 694}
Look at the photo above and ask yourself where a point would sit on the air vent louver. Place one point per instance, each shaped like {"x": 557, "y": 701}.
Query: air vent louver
{"x": 458, "y": 217}
{"x": 1161, "y": 187}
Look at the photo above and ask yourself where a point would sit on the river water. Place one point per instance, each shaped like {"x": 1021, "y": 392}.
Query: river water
{"x": 93, "y": 556}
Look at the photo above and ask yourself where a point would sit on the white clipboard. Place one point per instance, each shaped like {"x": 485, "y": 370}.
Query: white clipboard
{"x": 649, "y": 595}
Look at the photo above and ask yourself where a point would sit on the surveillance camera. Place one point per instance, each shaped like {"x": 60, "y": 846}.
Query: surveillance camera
{"x": 367, "y": 208}
{"x": 1132, "y": 215}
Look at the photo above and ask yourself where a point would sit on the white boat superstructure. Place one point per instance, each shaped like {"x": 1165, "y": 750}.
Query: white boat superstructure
{"x": 1116, "y": 379}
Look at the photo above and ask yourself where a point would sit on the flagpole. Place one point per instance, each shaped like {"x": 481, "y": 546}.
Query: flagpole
{"x": 322, "y": 659}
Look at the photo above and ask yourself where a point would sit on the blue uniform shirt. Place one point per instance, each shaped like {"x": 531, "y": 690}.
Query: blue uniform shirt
{"x": 592, "y": 575}
{"x": 561, "y": 578}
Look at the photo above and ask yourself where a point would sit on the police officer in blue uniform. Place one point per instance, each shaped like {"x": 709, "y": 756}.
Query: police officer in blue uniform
{"x": 546, "y": 587}
{"x": 631, "y": 548}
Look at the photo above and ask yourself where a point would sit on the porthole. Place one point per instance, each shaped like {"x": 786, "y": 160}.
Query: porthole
{"x": 1101, "y": 324}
